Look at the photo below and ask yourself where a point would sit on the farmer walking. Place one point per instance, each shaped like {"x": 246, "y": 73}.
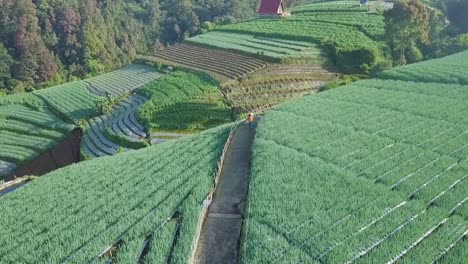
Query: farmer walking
{"x": 250, "y": 120}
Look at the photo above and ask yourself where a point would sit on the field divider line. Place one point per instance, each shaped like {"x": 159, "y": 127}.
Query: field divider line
{"x": 389, "y": 171}
{"x": 386, "y": 212}
{"x": 458, "y": 205}
{"x": 281, "y": 253}
{"x": 446, "y": 250}
{"x": 458, "y": 149}
{"x": 431, "y": 202}
{"x": 383, "y": 161}
{"x": 120, "y": 239}
{"x": 204, "y": 212}
{"x": 461, "y": 134}
{"x": 415, "y": 243}
{"x": 412, "y": 173}
{"x": 381, "y": 240}
{"x": 431, "y": 180}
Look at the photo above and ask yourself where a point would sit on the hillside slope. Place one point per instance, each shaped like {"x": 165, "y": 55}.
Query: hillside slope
{"x": 372, "y": 172}
{"x": 126, "y": 200}
{"x": 33, "y": 123}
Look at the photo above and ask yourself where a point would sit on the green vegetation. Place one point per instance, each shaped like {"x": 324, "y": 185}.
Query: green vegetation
{"x": 371, "y": 24}
{"x": 32, "y": 123}
{"x": 122, "y": 81}
{"x": 450, "y": 69}
{"x": 72, "y": 100}
{"x": 329, "y": 6}
{"x": 49, "y": 42}
{"x": 119, "y": 199}
{"x": 27, "y": 129}
{"x": 183, "y": 101}
{"x": 124, "y": 141}
{"x": 372, "y": 172}
{"x": 350, "y": 38}
{"x": 26, "y": 99}
{"x": 26, "y": 133}
{"x": 279, "y": 50}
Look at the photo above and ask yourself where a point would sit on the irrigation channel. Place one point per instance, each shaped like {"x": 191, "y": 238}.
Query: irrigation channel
{"x": 220, "y": 234}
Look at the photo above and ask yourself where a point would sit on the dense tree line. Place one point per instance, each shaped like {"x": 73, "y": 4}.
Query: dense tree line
{"x": 416, "y": 31}
{"x": 52, "y": 41}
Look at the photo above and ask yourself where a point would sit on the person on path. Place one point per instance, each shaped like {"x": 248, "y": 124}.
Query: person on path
{"x": 250, "y": 120}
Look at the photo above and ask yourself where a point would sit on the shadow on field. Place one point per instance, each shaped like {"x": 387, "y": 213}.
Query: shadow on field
{"x": 191, "y": 116}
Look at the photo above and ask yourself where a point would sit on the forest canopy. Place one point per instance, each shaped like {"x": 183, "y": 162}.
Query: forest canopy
{"x": 52, "y": 41}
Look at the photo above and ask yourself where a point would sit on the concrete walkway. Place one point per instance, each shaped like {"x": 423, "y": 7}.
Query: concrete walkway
{"x": 220, "y": 235}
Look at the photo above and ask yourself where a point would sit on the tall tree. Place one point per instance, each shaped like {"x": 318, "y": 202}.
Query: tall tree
{"x": 67, "y": 30}
{"x": 6, "y": 63}
{"x": 181, "y": 19}
{"x": 35, "y": 61}
{"x": 406, "y": 24}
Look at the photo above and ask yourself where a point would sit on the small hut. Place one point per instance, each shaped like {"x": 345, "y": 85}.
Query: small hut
{"x": 271, "y": 8}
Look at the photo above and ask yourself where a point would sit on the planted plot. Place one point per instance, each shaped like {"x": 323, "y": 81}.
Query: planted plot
{"x": 72, "y": 100}
{"x": 122, "y": 81}
{"x": 270, "y": 48}
{"x": 115, "y": 131}
{"x": 110, "y": 206}
{"x": 276, "y": 84}
{"x": 381, "y": 169}
{"x": 219, "y": 64}
{"x": 329, "y": 6}
{"x": 25, "y": 133}
{"x": 450, "y": 69}
{"x": 183, "y": 102}
{"x": 371, "y": 24}
{"x": 340, "y": 39}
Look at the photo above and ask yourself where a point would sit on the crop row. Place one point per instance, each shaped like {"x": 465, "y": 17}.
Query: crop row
{"x": 72, "y": 100}
{"x": 265, "y": 47}
{"x": 25, "y": 99}
{"x": 275, "y": 84}
{"x": 227, "y": 65}
{"x": 25, "y": 133}
{"x": 182, "y": 92}
{"x": 346, "y": 37}
{"x": 381, "y": 169}
{"x": 329, "y": 6}
{"x": 100, "y": 201}
{"x": 120, "y": 123}
{"x": 450, "y": 69}
{"x": 122, "y": 81}
{"x": 371, "y": 25}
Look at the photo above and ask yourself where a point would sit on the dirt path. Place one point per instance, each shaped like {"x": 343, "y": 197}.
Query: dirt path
{"x": 220, "y": 235}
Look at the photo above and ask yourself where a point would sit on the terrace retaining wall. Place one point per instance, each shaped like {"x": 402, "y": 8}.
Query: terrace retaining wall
{"x": 63, "y": 154}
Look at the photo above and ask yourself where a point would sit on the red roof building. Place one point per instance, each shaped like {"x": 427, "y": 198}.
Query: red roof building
{"x": 271, "y": 8}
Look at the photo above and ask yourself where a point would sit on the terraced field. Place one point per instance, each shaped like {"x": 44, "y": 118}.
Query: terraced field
{"x": 71, "y": 100}
{"x": 122, "y": 81}
{"x": 182, "y": 102}
{"x": 116, "y": 131}
{"x": 330, "y": 6}
{"x": 373, "y": 172}
{"x": 371, "y": 24}
{"x": 27, "y": 129}
{"x": 278, "y": 50}
{"x": 450, "y": 69}
{"x": 32, "y": 123}
{"x": 219, "y": 64}
{"x": 276, "y": 84}
{"x": 340, "y": 31}
{"x": 137, "y": 207}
